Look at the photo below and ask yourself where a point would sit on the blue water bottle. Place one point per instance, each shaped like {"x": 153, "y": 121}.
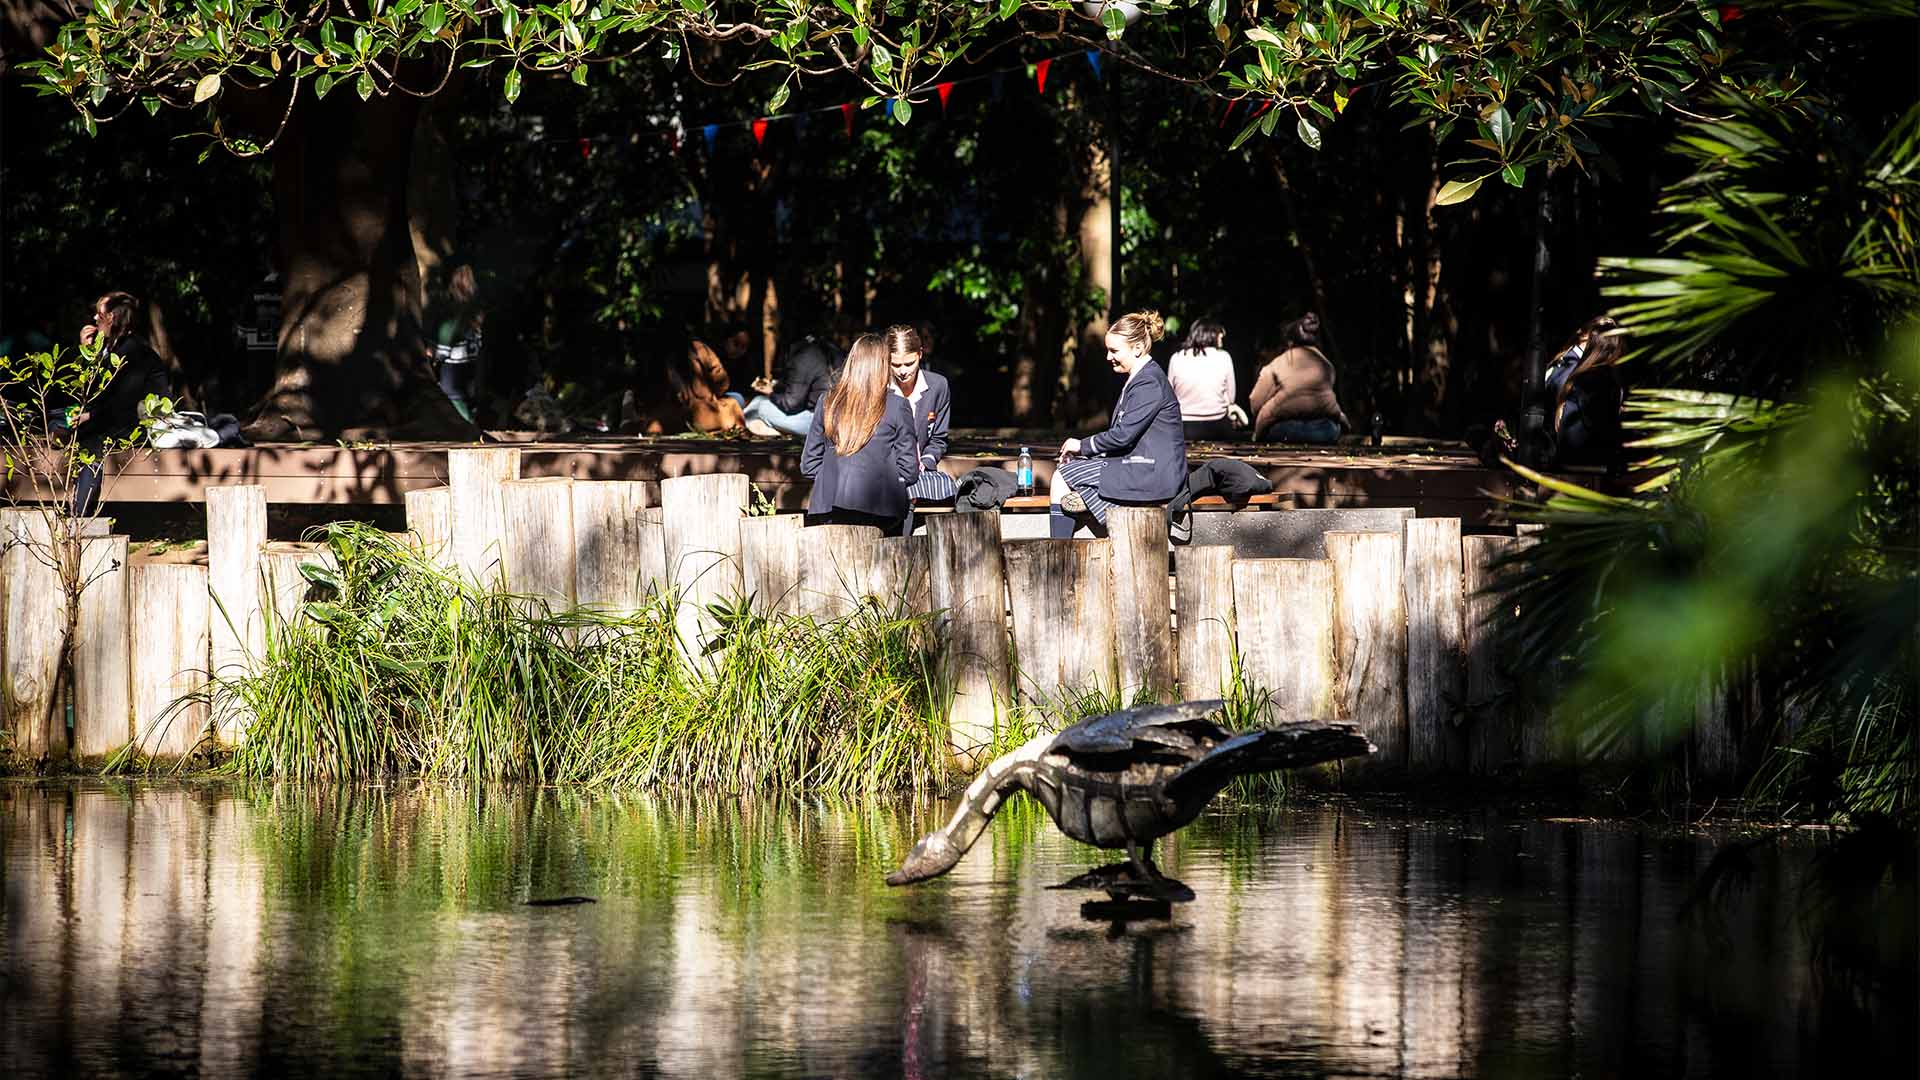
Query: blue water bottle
{"x": 1025, "y": 475}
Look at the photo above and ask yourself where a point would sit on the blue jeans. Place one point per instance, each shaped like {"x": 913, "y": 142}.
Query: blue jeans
{"x": 1320, "y": 432}
{"x": 763, "y": 408}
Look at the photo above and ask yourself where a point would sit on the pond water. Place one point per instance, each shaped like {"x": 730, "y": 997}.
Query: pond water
{"x": 223, "y": 930}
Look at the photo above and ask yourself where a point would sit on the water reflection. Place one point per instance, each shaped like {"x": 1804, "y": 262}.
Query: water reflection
{"x": 226, "y": 931}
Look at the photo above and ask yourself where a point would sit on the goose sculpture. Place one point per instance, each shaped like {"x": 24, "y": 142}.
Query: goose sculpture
{"x": 1125, "y": 779}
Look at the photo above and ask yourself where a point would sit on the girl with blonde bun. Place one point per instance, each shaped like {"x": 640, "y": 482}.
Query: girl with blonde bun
{"x": 1142, "y": 456}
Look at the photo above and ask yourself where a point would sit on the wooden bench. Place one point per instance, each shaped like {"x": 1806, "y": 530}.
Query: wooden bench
{"x": 1037, "y": 504}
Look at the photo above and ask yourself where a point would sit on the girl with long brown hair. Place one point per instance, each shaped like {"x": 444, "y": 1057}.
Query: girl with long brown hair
{"x": 1587, "y": 394}
{"x": 860, "y": 449}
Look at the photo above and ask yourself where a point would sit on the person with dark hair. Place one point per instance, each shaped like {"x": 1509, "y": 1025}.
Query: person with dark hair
{"x": 931, "y": 401}
{"x": 1293, "y": 398}
{"x": 787, "y": 406}
{"x": 860, "y": 450}
{"x": 1142, "y": 456}
{"x": 1583, "y": 385}
{"x": 454, "y": 331}
{"x": 114, "y": 414}
{"x": 1202, "y": 377}
{"x": 700, "y": 387}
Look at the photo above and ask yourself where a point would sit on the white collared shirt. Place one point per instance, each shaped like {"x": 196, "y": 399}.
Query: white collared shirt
{"x": 919, "y": 387}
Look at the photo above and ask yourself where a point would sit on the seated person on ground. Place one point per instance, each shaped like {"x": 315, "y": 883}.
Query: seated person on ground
{"x": 1293, "y": 398}
{"x": 1202, "y": 377}
{"x": 700, "y": 388}
{"x": 788, "y": 405}
{"x": 1584, "y": 387}
{"x": 1142, "y": 456}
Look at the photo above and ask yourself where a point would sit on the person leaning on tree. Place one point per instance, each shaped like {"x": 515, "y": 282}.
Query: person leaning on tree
{"x": 114, "y": 414}
{"x": 1142, "y": 456}
{"x": 1293, "y": 399}
{"x": 861, "y": 452}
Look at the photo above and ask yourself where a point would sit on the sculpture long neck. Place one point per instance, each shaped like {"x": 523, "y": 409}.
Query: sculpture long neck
{"x": 983, "y": 797}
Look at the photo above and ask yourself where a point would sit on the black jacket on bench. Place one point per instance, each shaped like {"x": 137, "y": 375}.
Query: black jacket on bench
{"x": 1145, "y": 441}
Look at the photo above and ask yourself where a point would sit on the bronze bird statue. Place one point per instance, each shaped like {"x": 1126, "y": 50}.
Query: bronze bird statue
{"x": 1126, "y": 779}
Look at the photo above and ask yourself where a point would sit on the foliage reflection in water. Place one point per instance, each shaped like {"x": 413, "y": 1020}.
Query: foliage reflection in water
{"x": 228, "y": 930}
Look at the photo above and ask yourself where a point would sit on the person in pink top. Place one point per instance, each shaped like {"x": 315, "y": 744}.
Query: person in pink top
{"x": 1202, "y": 377}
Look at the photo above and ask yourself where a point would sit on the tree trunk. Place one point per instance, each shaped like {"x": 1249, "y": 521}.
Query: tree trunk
{"x": 1428, "y": 339}
{"x": 1043, "y": 363}
{"x": 352, "y": 359}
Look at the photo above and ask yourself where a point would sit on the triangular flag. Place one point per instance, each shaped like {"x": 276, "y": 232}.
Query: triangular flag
{"x": 945, "y": 89}
{"x": 1228, "y": 115}
{"x": 760, "y": 131}
{"x": 846, "y": 114}
{"x": 1040, "y": 73}
{"x": 586, "y": 149}
{"x": 1093, "y": 59}
{"x": 712, "y": 132}
{"x": 889, "y": 108}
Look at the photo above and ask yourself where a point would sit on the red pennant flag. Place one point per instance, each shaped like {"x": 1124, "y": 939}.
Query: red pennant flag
{"x": 1040, "y": 73}
{"x": 760, "y": 131}
{"x": 1261, "y": 111}
{"x": 1227, "y": 115}
{"x": 846, "y": 114}
{"x": 945, "y": 89}
{"x": 586, "y": 149}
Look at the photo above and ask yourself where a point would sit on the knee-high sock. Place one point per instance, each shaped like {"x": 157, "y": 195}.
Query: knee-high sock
{"x": 1059, "y": 523}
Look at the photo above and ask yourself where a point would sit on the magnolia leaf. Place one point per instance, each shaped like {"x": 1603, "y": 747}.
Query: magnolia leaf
{"x": 1515, "y": 175}
{"x": 1308, "y": 133}
{"x": 902, "y": 111}
{"x": 208, "y": 86}
{"x": 364, "y": 85}
{"x": 512, "y": 87}
{"x": 1457, "y": 191}
{"x": 779, "y": 98}
{"x": 1263, "y": 35}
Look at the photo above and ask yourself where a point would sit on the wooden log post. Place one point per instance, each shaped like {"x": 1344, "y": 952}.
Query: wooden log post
{"x": 653, "y": 553}
{"x": 1490, "y": 730}
{"x": 102, "y": 651}
{"x": 1142, "y": 600}
{"x": 700, "y": 526}
{"x": 170, "y": 655}
{"x": 35, "y": 621}
{"x": 1203, "y": 604}
{"x": 835, "y": 569}
{"x": 969, "y": 589}
{"x": 476, "y": 514}
{"x": 1436, "y": 645}
{"x": 284, "y": 584}
{"x": 770, "y": 561}
{"x": 905, "y": 575}
{"x": 1283, "y": 615}
{"x": 1062, "y": 617}
{"x": 236, "y": 537}
{"x": 1370, "y": 640}
{"x": 430, "y": 520}
{"x": 1713, "y": 745}
{"x": 536, "y": 540}
{"x": 608, "y": 572}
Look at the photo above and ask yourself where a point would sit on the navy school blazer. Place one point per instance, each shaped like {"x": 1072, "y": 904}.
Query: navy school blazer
{"x": 930, "y": 419}
{"x": 872, "y": 479}
{"x": 1145, "y": 442}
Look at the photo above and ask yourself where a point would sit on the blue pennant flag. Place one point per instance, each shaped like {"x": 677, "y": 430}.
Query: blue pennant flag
{"x": 889, "y": 108}
{"x": 712, "y": 132}
{"x": 1093, "y": 58}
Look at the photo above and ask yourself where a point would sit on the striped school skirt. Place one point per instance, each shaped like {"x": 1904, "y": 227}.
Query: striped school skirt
{"x": 1082, "y": 474}
{"x": 933, "y": 486}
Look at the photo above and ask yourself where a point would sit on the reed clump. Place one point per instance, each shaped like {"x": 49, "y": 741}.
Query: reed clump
{"x": 396, "y": 666}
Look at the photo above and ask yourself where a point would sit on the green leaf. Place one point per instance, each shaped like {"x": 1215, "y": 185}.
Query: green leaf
{"x": 579, "y": 75}
{"x": 1500, "y": 125}
{"x": 1308, "y": 133}
{"x": 364, "y": 85}
{"x": 1008, "y": 7}
{"x": 779, "y": 98}
{"x": 1264, "y": 35}
{"x": 1457, "y": 191}
{"x": 512, "y": 87}
{"x": 1269, "y": 121}
{"x": 902, "y": 111}
{"x": 1216, "y": 12}
{"x": 1245, "y": 133}
{"x": 1114, "y": 18}
{"x": 208, "y": 86}
{"x": 1514, "y": 174}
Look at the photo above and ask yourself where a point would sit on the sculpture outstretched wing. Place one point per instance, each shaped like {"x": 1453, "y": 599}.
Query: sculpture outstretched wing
{"x": 1117, "y": 732}
{"x": 1289, "y": 746}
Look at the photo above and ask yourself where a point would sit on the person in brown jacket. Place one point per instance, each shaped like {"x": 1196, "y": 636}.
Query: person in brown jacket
{"x": 1293, "y": 399}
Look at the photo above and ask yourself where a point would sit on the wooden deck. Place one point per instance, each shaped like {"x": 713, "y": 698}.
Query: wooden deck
{"x": 1437, "y": 479}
